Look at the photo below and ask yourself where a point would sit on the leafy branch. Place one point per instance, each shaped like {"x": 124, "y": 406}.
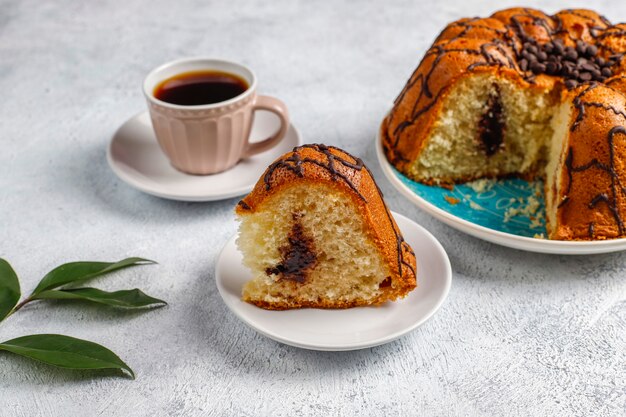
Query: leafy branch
{"x": 58, "y": 284}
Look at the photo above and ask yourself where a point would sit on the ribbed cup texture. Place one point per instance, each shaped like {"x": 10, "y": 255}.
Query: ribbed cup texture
{"x": 203, "y": 141}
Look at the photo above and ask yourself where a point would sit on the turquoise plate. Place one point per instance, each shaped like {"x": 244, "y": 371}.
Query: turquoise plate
{"x": 501, "y": 205}
{"x": 508, "y": 212}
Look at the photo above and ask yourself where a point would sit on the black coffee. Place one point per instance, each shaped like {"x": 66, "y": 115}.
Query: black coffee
{"x": 200, "y": 87}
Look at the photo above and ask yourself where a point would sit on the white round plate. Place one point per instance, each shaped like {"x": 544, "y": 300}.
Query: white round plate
{"x": 136, "y": 158}
{"x": 451, "y": 215}
{"x": 349, "y": 329}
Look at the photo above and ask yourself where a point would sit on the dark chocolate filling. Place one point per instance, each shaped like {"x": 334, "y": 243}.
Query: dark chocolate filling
{"x": 298, "y": 255}
{"x": 491, "y": 124}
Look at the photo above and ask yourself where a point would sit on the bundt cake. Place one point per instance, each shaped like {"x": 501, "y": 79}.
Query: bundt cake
{"x": 523, "y": 93}
{"x": 315, "y": 232}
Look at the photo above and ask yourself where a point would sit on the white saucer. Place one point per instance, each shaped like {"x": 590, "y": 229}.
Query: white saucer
{"x": 135, "y": 157}
{"x": 349, "y": 329}
{"x": 444, "y": 214}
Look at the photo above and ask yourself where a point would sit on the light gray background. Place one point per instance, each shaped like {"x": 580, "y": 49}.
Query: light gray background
{"x": 520, "y": 334}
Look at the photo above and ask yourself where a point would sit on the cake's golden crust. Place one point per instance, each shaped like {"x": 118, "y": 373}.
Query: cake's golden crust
{"x": 494, "y": 45}
{"x": 593, "y": 197}
{"x": 335, "y": 168}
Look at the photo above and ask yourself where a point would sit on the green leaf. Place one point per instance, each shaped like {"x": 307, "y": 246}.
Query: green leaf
{"x": 9, "y": 289}
{"x": 65, "y": 352}
{"x": 126, "y": 298}
{"x": 81, "y": 271}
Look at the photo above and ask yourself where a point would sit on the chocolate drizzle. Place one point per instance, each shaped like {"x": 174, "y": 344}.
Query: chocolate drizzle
{"x": 243, "y": 205}
{"x": 513, "y": 47}
{"x": 339, "y": 169}
{"x": 298, "y": 255}
{"x": 600, "y": 197}
{"x": 581, "y": 105}
{"x": 491, "y": 124}
{"x": 295, "y": 162}
{"x": 564, "y": 201}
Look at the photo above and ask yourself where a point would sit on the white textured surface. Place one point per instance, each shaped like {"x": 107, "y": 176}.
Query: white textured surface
{"x": 521, "y": 333}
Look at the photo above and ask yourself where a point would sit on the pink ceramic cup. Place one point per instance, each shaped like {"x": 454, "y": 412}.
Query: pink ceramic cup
{"x": 210, "y": 138}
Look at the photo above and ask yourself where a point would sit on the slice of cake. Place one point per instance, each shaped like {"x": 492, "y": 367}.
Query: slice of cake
{"x": 315, "y": 232}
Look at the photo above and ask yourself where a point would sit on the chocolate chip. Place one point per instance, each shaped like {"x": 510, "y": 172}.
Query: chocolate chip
{"x": 566, "y": 72}
{"x": 523, "y": 64}
{"x": 588, "y": 67}
{"x": 569, "y": 66}
{"x": 591, "y": 50}
{"x": 537, "y": 67}
{"x": 571, "y": 54}
{"x": 558, "y": 50}
{"x": 551, "y": 67}
{"x": 578, "y": 63}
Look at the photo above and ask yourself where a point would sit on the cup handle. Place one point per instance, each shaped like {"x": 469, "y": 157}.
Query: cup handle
{"x": 278, "y": 108}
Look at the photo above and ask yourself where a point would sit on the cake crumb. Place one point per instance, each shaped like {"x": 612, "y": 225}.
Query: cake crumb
{"x": 510, "y": 213}
{"x": 475, "y": 206}
{"x": 482, "y": 185}
{"x": 452, "y": 200}
{"x": 531, "y": 207}
{"x": 528, "y": 208}
{"x": 536, "y": 221}
{"x": 539, "y": 236}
